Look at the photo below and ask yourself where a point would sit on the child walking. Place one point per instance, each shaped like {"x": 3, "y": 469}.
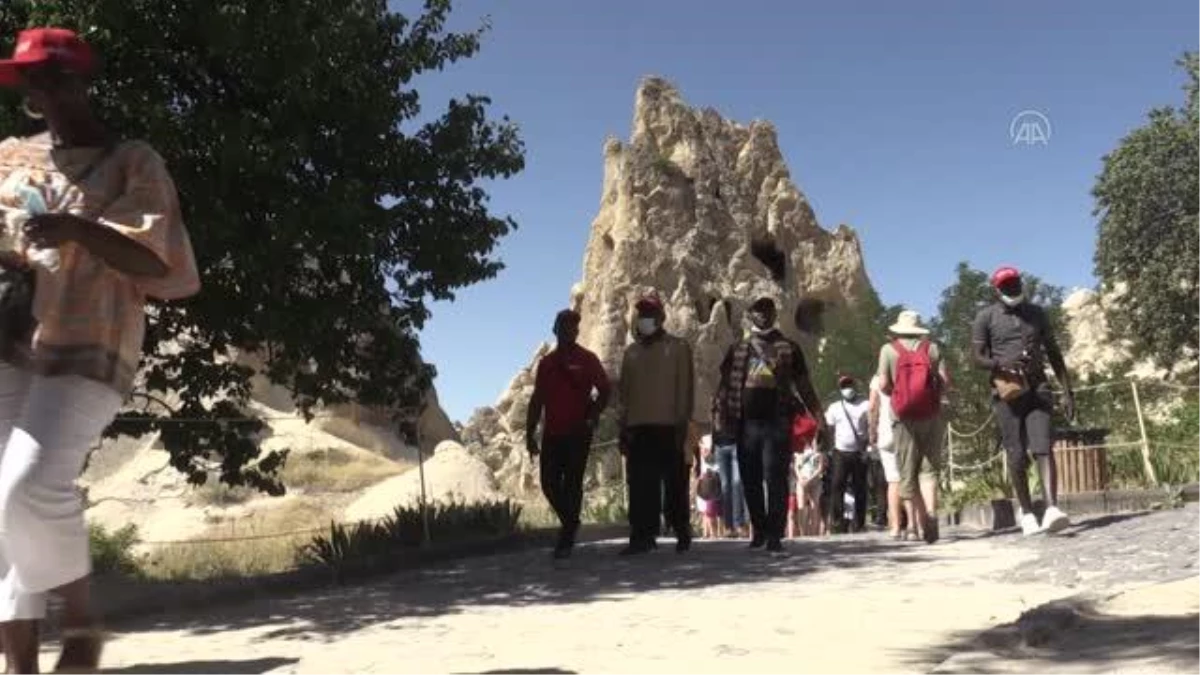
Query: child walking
{"x": 708, "y": 492}
{"x": 810, "y": 468}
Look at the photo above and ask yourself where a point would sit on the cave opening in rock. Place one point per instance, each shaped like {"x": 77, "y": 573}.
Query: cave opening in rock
{"x": 767, "y": 253}
{"x": 608, "y": 241}
{"x": 809, "y": 316}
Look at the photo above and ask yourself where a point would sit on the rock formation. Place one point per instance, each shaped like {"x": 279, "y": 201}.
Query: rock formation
{"x": 702, "y": 211}
{"x": 1095, "y": 353}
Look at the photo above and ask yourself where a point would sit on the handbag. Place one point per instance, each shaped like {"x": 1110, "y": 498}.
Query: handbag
{"x": 1009, "y": 384}
{"x": 18, "y": 283}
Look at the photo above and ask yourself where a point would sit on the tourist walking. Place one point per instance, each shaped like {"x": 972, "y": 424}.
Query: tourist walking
{"x": 92, "y": 229}
{"x": 656, "y": 390}
{"x": 848, "y": 418}
{"x": 1013, "y": 339}
{"x": 571, "y": 388}
{"x": 733, "y": 499}
{"x": 912, "y": 374}
{"x": 882, "y": 438}
{"x": 764, "y": 383}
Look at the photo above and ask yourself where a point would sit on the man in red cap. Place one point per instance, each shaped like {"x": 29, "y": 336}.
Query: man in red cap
{"x": 571, "y": 387}
{"x": 656, "y": 393}
{"x": 1013, "y": 340}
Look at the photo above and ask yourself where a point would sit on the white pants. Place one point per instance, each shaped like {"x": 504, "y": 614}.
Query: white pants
{"x": 47, "y": 425}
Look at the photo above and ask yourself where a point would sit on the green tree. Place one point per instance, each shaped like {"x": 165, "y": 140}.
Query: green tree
{"x": 851, "y": 337}
{"x": 1146, "y": 200}
{"x": 323, "y": 213}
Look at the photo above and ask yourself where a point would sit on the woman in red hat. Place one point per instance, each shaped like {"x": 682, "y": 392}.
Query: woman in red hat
{"x": 95, "y": 223}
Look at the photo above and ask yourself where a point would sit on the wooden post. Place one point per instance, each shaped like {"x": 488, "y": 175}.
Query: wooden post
{"x": 425, "y": 534}
{"x": 950, "y": 453}
{"x": 1137, "y": 404}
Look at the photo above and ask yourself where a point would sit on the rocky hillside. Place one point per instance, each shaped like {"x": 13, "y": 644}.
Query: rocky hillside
{"x": 703, "y": 211}
{"x": 342, "y": 451}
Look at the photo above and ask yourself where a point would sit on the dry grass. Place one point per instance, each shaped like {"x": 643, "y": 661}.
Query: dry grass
{"x": 326, "y": 470}
{"x": 337, "y": 470}
{"x": 207, "y": 559}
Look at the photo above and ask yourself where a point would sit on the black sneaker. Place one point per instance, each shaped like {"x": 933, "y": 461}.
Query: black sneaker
{"x": 638, "y": 548}
{"x": 757, "y": 542}
{"x": 683, "y": 544}
{"x": 775, "y": 546}
{"x": 931, "y": 530}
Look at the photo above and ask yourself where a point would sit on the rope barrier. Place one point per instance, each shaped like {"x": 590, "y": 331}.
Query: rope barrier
{"x": 977, "y": 465}
{"x": 986, "y": 423}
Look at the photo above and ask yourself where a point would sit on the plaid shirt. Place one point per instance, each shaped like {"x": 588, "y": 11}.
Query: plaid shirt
{"x": 791, "y": 369}
{"x": 92, "y": 318}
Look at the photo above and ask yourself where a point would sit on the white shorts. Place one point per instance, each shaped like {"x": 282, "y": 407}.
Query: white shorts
{"x": 891, "y": 465}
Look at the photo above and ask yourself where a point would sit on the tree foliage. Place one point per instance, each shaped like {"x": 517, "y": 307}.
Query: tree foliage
{"x": 851, "y": 338}
{"x": 1146, "y": 200}
{"x": 323, "y": 213}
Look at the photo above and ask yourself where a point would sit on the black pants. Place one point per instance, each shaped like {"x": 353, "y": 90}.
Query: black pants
{"x": 849, "y": 470}
{"x": 564, "y": 461}
{"x": 877, "y": 484}
{"x": 764, "y": 457}
{"x": 656, "y": 475}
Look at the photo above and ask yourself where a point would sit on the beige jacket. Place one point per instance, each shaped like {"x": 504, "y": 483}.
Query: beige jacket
{"x": 657, "y": 382}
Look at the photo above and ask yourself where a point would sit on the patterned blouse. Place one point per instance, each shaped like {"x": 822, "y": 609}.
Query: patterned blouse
{"x": 92, "y": 318}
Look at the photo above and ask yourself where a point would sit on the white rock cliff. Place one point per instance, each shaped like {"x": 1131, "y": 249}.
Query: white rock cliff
{"x": 702, "y": 211}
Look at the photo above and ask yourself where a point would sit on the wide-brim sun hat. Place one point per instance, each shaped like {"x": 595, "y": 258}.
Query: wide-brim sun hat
{"x": 908, "y": 323}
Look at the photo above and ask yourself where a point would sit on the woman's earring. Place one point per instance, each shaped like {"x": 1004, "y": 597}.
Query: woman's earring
{"x": 30, "y": 111}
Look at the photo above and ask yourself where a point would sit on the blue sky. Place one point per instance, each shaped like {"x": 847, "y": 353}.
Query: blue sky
{"x": 894, "y": 118}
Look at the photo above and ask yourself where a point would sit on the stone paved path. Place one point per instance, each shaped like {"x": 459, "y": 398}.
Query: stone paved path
{"x": 853, "y": 604}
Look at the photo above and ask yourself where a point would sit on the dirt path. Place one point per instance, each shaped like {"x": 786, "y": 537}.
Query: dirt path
{"x": 855, "y": 604}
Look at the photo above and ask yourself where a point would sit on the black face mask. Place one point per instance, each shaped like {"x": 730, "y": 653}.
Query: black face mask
{"x": 762, "y": 319}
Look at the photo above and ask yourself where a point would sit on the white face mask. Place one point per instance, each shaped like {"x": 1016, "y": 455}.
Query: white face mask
{"x": 647, "y": 325}
{"x": 1012, "y": 301}
{"x": 847, "y": 393}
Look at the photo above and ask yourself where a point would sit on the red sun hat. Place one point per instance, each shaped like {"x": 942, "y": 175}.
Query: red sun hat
{"x": 1003, "y": 275}
{"x": 37, "y": 46}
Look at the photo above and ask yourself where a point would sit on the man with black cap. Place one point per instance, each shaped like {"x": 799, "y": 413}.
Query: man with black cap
{"x": 656, "y": 391}
{"x": 1013, "y": 339}
{"x": 764, "y": 383}
{"x": 571, "y": 387}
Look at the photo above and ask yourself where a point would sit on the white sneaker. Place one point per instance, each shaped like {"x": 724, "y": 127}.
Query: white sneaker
{"x": 1054, "y": 520}
{"x": 1029, "y": 524}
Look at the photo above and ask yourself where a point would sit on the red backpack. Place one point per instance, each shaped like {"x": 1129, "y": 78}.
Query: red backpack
{"x": 917, "y": 390}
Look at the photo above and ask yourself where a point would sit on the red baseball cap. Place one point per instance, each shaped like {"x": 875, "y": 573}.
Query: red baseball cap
{"x": 1004, "y": 274}
{"x": 44, "y": 45}
{"x": 649, "y": 302}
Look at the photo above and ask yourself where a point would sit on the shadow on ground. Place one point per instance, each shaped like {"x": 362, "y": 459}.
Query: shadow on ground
{"x": 594, "y": 574}
{"x": 247, "y": 667}
{"x": 1067, "y": 637}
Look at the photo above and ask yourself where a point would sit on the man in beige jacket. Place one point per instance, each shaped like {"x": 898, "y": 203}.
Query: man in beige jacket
{"x": 655, "y": 396}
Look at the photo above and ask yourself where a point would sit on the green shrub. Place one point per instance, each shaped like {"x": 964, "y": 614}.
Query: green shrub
{"x": 112, "y": 552}
{"x": 376, "y": 546}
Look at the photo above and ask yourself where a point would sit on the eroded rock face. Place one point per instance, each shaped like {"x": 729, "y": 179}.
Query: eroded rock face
{"x": 702, "y": 211}
{"x": 1096, "y": 353}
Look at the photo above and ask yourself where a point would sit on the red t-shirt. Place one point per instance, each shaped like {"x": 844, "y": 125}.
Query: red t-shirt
{"x": 565, "y": 379}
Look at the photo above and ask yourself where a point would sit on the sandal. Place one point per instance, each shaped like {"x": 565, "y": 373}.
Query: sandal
{"x": 81, "y": 649}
